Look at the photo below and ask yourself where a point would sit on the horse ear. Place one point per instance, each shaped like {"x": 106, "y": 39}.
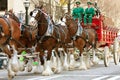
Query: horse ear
{"x": 31, "y": 13}
{"x": 41, "y": 6}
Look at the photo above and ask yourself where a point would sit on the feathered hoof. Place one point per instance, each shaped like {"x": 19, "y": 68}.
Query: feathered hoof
{"x": 71, "y": 68}
{"x": 95, "y": 62}
{"x": 54, "y": 69}
{"x": 35, "y": 70}
{"x": 59, "y": 70}
{"x": 88, "y": 66}
{"x": 66, "y": 68}
{"x": 83, "y": 67}
{"x": 47, "y": 73}
{"x": 22, "y": 68}
{"x": 10, "y": 77}
{"x": 14, "y": 67}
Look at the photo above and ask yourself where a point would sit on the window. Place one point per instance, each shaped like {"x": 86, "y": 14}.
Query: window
{"x": 3, "y": 5}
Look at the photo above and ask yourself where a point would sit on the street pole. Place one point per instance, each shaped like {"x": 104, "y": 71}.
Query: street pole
{"x": 50, "y": 6}
{"x": 26, "y": 16}
{"x": 69, "y": 6}
{"x": 26, "y": 4}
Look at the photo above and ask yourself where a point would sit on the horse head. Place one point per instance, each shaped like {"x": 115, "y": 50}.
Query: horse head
{"x": 70, "y": 23}
{"x": 39, "y": 19}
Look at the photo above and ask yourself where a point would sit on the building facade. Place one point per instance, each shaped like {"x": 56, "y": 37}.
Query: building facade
{"x": 53, "y": 7}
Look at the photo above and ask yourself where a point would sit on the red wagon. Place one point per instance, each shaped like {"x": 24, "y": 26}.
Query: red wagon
{"x": 106, "y": 38}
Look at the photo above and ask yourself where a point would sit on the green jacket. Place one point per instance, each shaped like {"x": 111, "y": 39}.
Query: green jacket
{"x": 77, "y": 13}
{"x": 90, "y": 11}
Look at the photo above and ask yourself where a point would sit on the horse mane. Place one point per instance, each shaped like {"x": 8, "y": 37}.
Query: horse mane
{"x": 12, "y": 15}
{"x": 71, "y": 24}
{"x": 42, "y": 22}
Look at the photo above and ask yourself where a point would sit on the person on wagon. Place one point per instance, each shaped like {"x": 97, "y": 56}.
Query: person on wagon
{"x": 77, "y": 12}
{"x": 89, "y": 13}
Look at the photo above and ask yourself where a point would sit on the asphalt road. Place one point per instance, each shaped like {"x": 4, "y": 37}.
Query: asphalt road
{"x": 96, "y": 72}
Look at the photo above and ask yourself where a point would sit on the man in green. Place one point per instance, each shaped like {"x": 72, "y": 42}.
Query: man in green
{"x": 78, "y": 12}
{"x": 89, "y": 13}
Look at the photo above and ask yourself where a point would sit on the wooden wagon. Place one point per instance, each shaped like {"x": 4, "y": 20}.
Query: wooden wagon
{"x": 107, "y": 39}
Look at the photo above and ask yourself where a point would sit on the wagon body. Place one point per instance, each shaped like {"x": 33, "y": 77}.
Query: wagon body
{"x": 106, "y": 34}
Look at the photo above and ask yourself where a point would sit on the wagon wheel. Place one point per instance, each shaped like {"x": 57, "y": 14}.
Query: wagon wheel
{"x": 106, "y": 56}
{"x": 116, "y": 52}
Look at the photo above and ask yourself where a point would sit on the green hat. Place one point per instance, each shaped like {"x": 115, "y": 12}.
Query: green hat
{"x": 78, "y": 2}
{"x": 89, "y": 3}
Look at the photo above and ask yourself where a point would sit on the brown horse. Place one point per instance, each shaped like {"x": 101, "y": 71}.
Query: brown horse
{"x": 9, "y": 34}
{"x": 10, "y": 29}
{"x": 10, "y": 14}
{"x": 87, "y": 39}
{"x": 49, "y": 35}
{"x": 28, "y": 35}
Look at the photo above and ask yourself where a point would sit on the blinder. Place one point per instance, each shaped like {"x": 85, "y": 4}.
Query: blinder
{"x": 31, "y": 13}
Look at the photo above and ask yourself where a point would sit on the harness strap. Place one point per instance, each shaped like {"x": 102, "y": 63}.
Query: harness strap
{"x": 63, "y": 31}
{"x": 57, "y": 32}
{"x": 87, "y": 35}
{"x": 1, "y": 30}
{"x": 7, "y": 36}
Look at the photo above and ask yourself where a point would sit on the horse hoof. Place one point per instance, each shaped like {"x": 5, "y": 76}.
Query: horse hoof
{"x": 54, "y": 69}
{"x": 10, "y": 77}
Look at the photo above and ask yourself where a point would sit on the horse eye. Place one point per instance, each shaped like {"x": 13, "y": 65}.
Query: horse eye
{"x": 31, "y": 13}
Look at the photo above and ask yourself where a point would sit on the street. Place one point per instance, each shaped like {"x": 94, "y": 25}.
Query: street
{"x": 96, "y": 72}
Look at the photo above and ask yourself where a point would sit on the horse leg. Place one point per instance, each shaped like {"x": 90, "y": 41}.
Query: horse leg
{"x": 82, "y": 63}
{"x": 61, "y": 55}
{"x": 71, "y": 57}
{"x": 11, "y": 73}
{"x": 7, "y": 51}
{"x": 47, "y": 71}
{"x": 88, "y": 60}
{"x": 64, "y": 58}
{"x": 37, "y": 68}
{"x": 14, "y": 63}
{"x": 54, "y": 61}
{"x": 95, "y": 59}
{"x": 59, "y": 63}
{"x": 28, "y": 66}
